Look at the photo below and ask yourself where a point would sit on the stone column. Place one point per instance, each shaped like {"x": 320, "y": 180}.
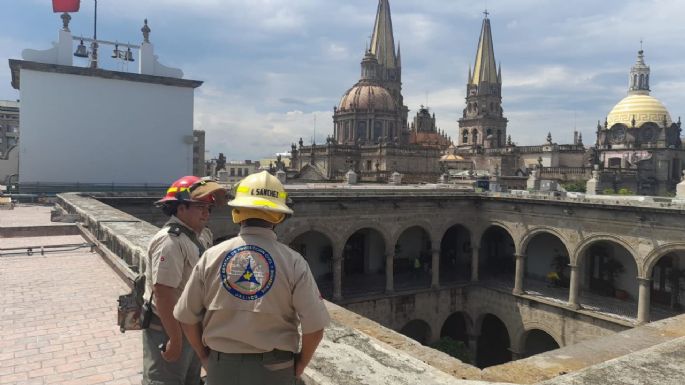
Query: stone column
{"x": 574, "y": 288}
{"x": 337, "y": 274}
{"x": 518, "y": 279}
{"x": 516, "y": 355}
{"x": 389, "y": 271}
{"x": 473, "y": 345}
{"x": 643, "y": 300}
{"x": 435, "y": 279}
{"x": 474, "y": 264}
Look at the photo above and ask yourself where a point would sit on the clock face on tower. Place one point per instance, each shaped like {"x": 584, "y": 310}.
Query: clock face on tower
{"x": 618, "y": 134}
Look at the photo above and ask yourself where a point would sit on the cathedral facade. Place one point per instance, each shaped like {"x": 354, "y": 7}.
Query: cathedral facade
{"x": 638, "y": 148}
{"x": 371, "y": 133}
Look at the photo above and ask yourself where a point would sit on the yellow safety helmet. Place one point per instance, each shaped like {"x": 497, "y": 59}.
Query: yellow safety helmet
{"x": 261, "y": 191}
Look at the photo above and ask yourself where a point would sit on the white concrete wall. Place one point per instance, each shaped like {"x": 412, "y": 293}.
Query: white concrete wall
{"x": 94, "y": 130}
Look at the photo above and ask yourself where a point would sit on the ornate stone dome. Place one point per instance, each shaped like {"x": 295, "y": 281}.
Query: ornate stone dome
{"x": 366, "y": 96}
{"x": 642, "y": 108}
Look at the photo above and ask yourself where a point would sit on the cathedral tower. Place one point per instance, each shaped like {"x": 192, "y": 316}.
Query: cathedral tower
{"x": 483, "y": 124}
{"x": 373, "y": 110}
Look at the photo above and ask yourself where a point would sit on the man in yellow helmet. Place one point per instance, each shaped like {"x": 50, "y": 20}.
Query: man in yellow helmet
{"x": 247, "y": 296}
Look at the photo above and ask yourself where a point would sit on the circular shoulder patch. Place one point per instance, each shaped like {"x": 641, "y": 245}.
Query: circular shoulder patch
{"x": 248, "y": 272}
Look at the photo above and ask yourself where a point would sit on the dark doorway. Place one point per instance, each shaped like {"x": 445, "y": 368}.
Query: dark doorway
{"x": 455, "y": 328}
{"x": 538, "y": 341}
{"x": 493, "y": 343}
{"x": 668, "y": 276}
{"x": 497, "y": 254}
{"x": 354, "y": 254}
{"x": 455, "y": 255}
{"x": 417, "y": 330}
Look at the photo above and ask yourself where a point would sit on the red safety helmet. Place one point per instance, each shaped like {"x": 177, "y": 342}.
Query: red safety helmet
{"x": 193, "y": 189}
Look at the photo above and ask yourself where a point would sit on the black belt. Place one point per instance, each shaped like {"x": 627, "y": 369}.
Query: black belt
{"x": 274, "y": 355}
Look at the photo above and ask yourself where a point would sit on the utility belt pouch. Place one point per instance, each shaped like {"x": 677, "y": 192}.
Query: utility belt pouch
{"x": 146, "y": 315}
{"x": 131, "y": 309}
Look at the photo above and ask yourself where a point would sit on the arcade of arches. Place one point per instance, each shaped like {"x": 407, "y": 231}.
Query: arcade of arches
{"x": 370, "y": 261}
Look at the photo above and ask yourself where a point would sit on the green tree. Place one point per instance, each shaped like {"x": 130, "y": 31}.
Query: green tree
{"x": 578, "y": 186}
{"x": 454, "y": 348}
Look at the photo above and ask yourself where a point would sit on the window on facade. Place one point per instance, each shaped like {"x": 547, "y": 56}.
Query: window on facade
{"x": 246, "y": 172}
{"x": 464, "y": 137}
{"x": 232, "y": 172}
{"x": 377, "y": 130}
{"x": 361, "y": 130}
{"x": 368, "y": 165}
{"x": 474, "y": 136}
{"x": 240, "y": 172}
{"x": 614, "y": 162}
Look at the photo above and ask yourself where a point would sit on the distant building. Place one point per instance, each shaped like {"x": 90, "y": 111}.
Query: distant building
{"x": 91, "y": 128}
{"x": 639, "y": 147}
{"x": 199, "y": 168}
{"x": 370, "y": 130}
{"x": 9, "y": 139}
{"x": 9, "y": 125}
{"x": 483, "y": 138}
{"x": 235, "y": 171}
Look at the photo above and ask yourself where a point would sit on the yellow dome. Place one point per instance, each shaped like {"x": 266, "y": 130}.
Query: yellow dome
{"x": 642, "y": 108}
{"x": 451, "y": 157}
{"x": 365, "y": 97}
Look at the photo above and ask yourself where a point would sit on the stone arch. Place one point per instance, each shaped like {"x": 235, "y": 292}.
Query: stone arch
{"x": 412, "y": 256}
{"x": 456, "y": 252}
{"x": 424, "y": 225}
{"x": 297, "y": 231}
{"x": 535, "y": 325}
{"x": 582, "y": 248}
{"x": 645, "y": 269}
{"x": 478, "y": 233}
{"x": 317, "y": 249}
{"x": 418, "y": 330}
{"x": 530, "y": 234}
{"x": 511, "y": 321}
{"x": 608, "y": 267}
{"x": 442, "y": 230}
{"x": 457, "y": 318}
{"x": 361, "y": 225}
{"x": 543, "y": 342}
{"x": 494, "y": 345}
{"x": 496, "y": 258}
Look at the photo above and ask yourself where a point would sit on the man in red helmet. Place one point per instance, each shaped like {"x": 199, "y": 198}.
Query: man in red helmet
{"x": 172, "y": 254}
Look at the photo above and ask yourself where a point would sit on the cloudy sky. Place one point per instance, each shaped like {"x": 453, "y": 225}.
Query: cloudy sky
{"x": 274, "y": 69}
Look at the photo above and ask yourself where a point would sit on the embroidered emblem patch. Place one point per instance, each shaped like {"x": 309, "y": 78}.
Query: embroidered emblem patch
{"x": 248, "y": 272}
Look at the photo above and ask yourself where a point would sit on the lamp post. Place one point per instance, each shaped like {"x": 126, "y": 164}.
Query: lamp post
{"x": 94, "y": 44}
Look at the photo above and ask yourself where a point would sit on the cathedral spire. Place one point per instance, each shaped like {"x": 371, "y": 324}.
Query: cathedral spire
{"x": 485, "y": 69}
{"x": 382, "y": 40}
{"x": 639, "y": 75}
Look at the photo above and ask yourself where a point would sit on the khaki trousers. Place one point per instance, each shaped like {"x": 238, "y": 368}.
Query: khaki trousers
{"x": 273, "y": 368}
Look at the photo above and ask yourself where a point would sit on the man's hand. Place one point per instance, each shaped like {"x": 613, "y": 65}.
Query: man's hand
{"x": 204, "y": 361}
{"x": 309, "y": 343}
{"x": 299, "y": 366}
{"x": 172, "y": 351}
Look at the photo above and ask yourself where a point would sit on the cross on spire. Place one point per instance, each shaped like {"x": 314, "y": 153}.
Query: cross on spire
{"x": 486, "y": 13}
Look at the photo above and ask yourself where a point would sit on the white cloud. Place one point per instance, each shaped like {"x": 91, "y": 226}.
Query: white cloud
{"x": 270, "y": 66}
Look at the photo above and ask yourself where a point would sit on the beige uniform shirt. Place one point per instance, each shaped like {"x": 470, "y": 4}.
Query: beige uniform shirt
{"x": 251, "y": 293}
{"x": 171, "y": 258}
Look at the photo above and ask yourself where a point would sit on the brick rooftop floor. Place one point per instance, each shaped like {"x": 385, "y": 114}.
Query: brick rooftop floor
{"x": 58, "y": 317}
